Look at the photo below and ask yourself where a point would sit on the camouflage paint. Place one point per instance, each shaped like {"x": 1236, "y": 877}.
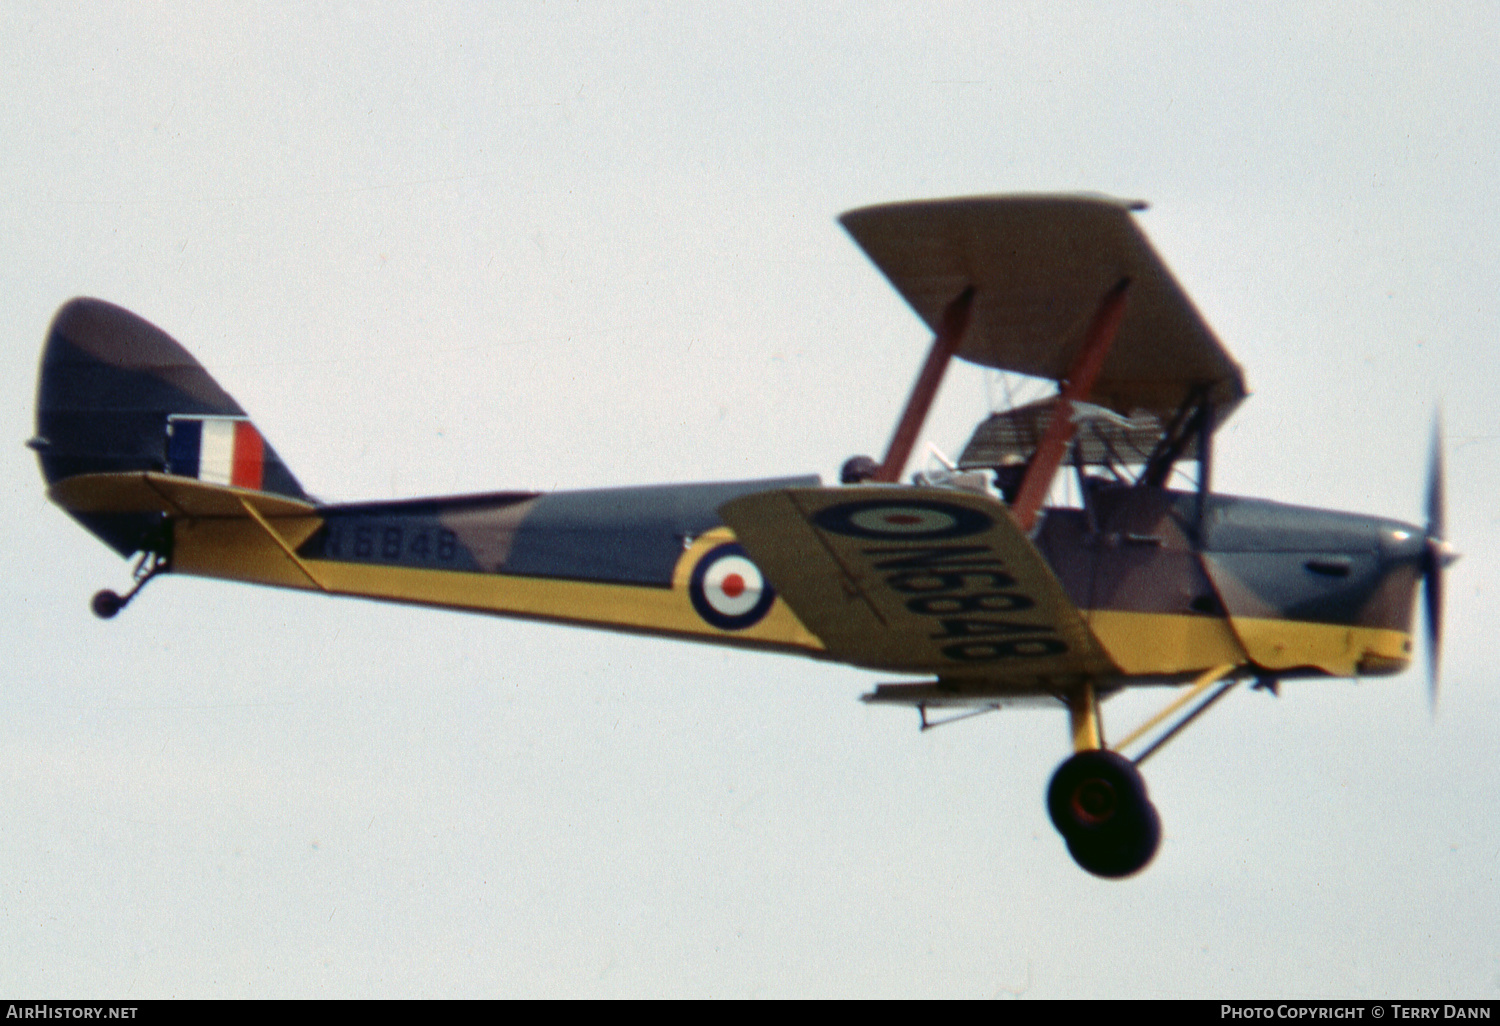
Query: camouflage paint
{"x": 1283, "y": 589}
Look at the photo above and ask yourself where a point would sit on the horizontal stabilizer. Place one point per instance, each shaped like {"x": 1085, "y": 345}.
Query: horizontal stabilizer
{"x": 165, "y": 494}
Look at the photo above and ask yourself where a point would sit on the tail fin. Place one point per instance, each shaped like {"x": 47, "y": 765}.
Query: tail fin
{"x": 118, "y": 395}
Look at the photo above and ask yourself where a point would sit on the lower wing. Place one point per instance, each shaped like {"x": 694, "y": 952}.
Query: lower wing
{"x": 918, "y": 580}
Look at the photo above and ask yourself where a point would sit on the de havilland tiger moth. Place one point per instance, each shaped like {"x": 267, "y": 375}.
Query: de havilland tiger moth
{"x": 961, "y": 579}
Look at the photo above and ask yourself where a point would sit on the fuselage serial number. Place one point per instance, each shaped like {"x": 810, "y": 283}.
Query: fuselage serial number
{"x": 393, "y": 543}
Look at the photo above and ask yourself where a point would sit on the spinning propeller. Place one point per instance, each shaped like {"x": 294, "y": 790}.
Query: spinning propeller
{"x": 1437, "y": 554}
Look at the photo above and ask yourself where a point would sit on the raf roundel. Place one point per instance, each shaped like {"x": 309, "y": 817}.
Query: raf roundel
{"x": 728, "y": 590}
{"x": 894, "y": 520}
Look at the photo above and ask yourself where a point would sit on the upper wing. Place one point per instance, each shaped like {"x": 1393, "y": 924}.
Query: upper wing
{"x": 1040, "y": 265}
{"x": 918, "y": 580}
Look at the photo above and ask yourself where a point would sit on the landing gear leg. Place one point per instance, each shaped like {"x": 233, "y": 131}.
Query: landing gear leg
{"x": 106, "y": 603}
{"x": 1097, "y": 799}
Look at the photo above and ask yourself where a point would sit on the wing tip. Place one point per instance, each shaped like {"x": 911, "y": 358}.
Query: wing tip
{"x": 1081, "y": 198}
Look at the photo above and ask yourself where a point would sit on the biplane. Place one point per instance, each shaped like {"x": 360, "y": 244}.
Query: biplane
{"x": 960, "y": 580}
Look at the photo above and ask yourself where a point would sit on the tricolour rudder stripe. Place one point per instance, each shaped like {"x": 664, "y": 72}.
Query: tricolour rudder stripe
{"x": 218, "y": 450}
{"x": 116, "y": 394}
{"x": 246, "y": 460}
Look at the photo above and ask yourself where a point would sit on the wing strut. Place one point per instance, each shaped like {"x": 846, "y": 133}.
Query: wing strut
{"x": 950, "y": 334}
{"x": 1081, "y": 376}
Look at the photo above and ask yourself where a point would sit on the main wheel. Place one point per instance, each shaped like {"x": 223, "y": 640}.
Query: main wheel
{"x": 1098, "y": 802}
{"x": 1092, "y": 792}
{"x": 1123, "y": 852}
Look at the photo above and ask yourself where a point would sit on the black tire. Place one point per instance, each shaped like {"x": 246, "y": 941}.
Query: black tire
{"x": 1092, "y": 792}
{"x": 1098, "y": 802}
{"x": 1125, "y": 851}
{"x": 106, "y": 604}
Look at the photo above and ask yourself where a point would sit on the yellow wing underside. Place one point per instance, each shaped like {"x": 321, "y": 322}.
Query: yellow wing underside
{"x": 919, "y": 580}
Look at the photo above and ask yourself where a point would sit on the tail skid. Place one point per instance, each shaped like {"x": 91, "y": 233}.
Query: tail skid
{"x": 107, "y": 604}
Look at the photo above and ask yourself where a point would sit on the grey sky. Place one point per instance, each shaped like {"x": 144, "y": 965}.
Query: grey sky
{"x": 455, "y": 248}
